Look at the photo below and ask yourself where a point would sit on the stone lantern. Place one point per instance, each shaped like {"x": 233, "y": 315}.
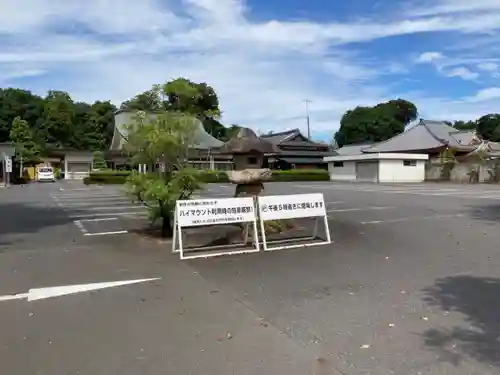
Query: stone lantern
{"x": 248, "y": 152}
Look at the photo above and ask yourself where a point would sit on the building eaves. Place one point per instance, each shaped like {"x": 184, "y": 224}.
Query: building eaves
{"x": 277, "y": 138}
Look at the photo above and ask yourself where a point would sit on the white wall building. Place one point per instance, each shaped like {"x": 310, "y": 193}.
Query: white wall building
{"x": 377, "y": 167}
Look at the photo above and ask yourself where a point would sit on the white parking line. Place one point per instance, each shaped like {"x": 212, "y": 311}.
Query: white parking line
{"x": 77, "y": 205}
{"x": 80, "y": 226}
{"x": 82, "y": 189}
{"x": 106, "y": 233}
{"x": 97, "y": 214}
{"x": 100, "y": 219}
{"x": 413, "y": 190}
{"x": 111, "y": 208}
{"x": 402, "y": 219}
{"x": 497, "y": 196}
{"x": 89, "y": 196}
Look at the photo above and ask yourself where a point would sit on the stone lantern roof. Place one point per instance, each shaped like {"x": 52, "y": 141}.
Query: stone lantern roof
{"x": 247, "y": 142}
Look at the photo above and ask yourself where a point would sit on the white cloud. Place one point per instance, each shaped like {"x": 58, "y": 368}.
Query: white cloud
{"x": 483, "y": 95}
{"x": 462, "y": 72}
{"x": 455, "y": 6}
{"x": 447, "y": 67}
{"x": 262, "y": 71}
{"x": 488, "y": 66}
{"x": 428, "y": 57}
{"x": 15, "y": 72}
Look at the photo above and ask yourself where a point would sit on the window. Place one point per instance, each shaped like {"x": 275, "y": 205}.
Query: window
{"x": 338, "y": 164}
{"x": 410, "y": 163}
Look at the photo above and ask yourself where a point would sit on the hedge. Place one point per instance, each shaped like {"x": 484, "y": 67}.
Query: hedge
{"x": 119, "y": 177}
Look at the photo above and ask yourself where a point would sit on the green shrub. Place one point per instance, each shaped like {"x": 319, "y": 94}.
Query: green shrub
{"x": 110, "y": 172}
{"x": 119, "y": 177}
{"x": 214, "y": 176}
{"x": 105, "y": 178}
{"x": 57, "y": 173}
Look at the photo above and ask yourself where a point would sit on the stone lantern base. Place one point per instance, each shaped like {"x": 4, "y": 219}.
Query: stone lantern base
{"x": 249, "y": 182}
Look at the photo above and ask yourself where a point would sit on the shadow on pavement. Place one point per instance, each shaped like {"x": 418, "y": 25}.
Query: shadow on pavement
{"x": 489, "y": 212}
{"x": 23, "y": 218}
{"x": 478, "y": 299}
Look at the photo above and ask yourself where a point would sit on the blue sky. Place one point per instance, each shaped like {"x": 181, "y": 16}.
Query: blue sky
{"x": 263, "y": 57}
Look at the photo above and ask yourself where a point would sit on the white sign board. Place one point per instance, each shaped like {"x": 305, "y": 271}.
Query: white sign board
{"x": 295, "y": 206}
{"x": 275, "y": 207}
{"x": 213, "y": 211}
{"x": 8, "y": 164}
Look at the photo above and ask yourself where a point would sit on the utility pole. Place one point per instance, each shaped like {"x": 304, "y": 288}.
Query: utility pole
{"x": 307, "y": 101}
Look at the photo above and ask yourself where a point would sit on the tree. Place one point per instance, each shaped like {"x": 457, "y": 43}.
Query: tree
{"x": 98, "y": 161}
{"x": 215, "y": 128}
{"x": 333, "y": 143}
{"x": 487, "y": 126}
{"x": 165, "y": 140}
{"x": 462, "y": 125}
{"x": 149, "y": 101}
{"x": 375, "y": 124}
{"x": 18, "y": 103}
{"x": 197, "y": 99}
{"x": 26, "y": 148}
{"x": 183, "y": 95}
{"x": 57, "y": 125}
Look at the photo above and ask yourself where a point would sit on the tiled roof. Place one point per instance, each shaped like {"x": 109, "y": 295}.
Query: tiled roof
{"x": 285, "y": 138}
{"x": 465, "y": 137}
{"x": 123, "y": 119}
{"x": 426, "y": 135}
{"x": 353, "y": 149}
{"x": 277, "y": 138}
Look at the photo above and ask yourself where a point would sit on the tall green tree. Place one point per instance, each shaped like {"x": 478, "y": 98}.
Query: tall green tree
{"x": 92, "y": 126}
{"x": 375, "y": 124}
{"x": 487, "y": 126}
{"x": 26, "y": 148}
{"x": 198, "y": 99}
{"x": 182, "y": 95}
{"x": 57, "y": 125}
{"x": 165, "y": 140}
{"x": 464, "y": 125}
{"x": 18, "y": 103}
{"x": 149, "y": 101}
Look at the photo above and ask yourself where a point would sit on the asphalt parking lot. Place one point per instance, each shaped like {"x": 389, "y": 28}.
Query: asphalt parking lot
{"x": 98, "y": 210}
{"x": 410, "y": 285}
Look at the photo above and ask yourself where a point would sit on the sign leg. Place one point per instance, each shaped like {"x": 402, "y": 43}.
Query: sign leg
{"x": 315, "y": 233}
{"x": 245, "y": 233}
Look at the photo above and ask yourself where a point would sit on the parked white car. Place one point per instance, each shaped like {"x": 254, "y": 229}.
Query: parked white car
{"x": 46, "y": 174}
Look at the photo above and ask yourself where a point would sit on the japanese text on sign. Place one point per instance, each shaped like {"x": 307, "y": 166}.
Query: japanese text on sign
{"x": 276, "y": 207}
{"x": 214, "y": 211}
